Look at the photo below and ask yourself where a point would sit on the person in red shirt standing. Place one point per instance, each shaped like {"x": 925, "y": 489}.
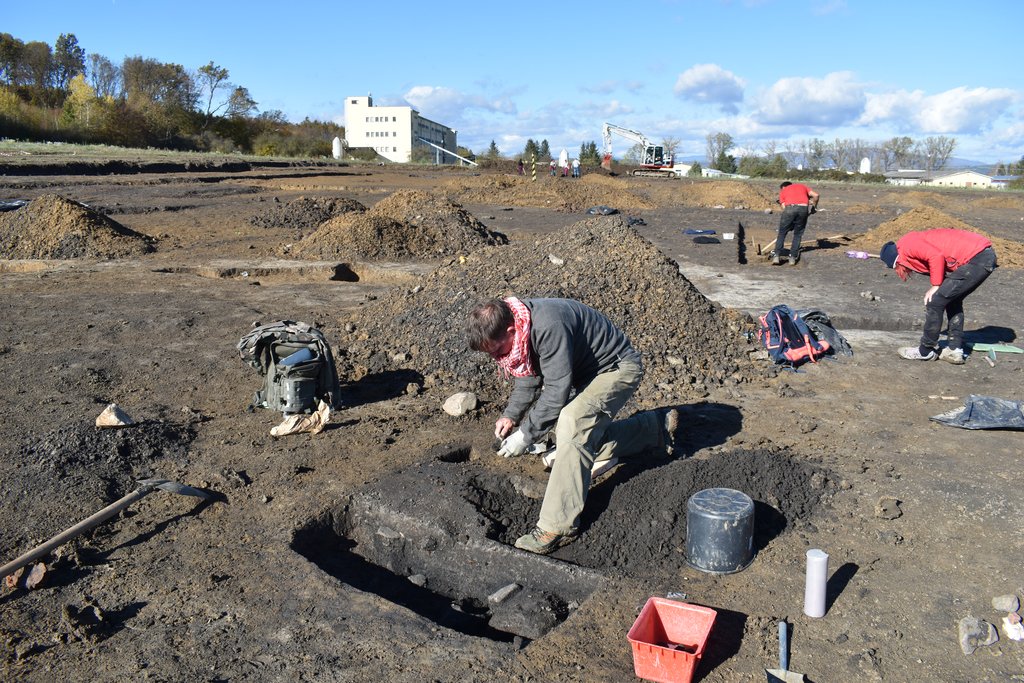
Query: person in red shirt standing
{"x": 798, "y": 202}
{"x": 956, "y": 262}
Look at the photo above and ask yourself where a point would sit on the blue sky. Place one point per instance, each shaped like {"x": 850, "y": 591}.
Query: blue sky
{"x": 760, "y": 70}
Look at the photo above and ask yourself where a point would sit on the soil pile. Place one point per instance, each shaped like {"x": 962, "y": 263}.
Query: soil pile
{"x": 305, "y": 213}
{"x": 407, "y": 224}
{"x": 1008, "y": 252}
{"x": 52, "y": 227}
{"x": 690, "y": 344}
{"x": 83, "y": 467}
{"x": 729, "y": 194}
{"x": 568, "y": 195}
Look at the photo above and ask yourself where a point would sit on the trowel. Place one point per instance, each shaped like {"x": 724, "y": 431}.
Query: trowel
{"x": 783, "y": 674}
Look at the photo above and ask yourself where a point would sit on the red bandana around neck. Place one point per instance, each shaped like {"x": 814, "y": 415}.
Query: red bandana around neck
{"x": 517, "y": 362}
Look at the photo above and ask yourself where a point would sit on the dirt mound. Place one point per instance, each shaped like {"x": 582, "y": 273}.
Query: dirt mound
{"x": 407, "y": 224}
{"x": 730, "y": 194}
{"x": 562, "y": 194}
{"x": 1013, "y": 201}
{"x": 305, "y": 213}
{"x": 690, "y": 344}
{"x": 865, "y": 208}
{"x": 1008, "y": 252}
{"x": 52, "y": 227}
{"x": 81, "y": 466}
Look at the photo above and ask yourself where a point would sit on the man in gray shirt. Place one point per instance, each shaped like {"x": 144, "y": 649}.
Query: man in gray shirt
{"x": 553, "y": 348}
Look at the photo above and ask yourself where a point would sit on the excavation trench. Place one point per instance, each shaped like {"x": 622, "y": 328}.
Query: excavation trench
{"x": 437, "y": 538}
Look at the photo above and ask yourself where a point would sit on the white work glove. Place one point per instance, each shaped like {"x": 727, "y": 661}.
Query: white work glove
{"x": 514, "y": 444}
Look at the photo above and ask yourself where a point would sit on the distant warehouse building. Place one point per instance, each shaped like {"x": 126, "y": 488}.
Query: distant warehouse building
{"x": 394, "y": 132}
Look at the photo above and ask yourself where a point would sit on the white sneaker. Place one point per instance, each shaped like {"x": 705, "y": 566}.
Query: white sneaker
{"x": 914, "y": 353}
{"x": 954, "y": 356}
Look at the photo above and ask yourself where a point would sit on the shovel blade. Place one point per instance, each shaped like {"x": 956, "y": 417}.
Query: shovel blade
{"x": 781, "y": 676}
{"x": 174, "y": 487}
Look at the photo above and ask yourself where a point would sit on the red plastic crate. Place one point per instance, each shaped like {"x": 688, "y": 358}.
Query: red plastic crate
{"x": 668, "y": 639}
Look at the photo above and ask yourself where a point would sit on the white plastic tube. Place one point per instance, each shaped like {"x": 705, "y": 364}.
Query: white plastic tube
{"x": 814, "y": 587}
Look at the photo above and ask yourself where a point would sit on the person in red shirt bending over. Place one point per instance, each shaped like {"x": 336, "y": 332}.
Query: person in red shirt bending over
{"x": 956, "y": 262}
{"x": 798, "y": 202}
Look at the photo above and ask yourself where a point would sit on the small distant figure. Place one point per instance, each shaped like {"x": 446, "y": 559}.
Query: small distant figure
{"x": 798, "y": 202}
{"x": 575, "y": 168}
{"x": 553, "y": 166}
{"x": 521, "y": 167}
{"x": 565, "y": 169}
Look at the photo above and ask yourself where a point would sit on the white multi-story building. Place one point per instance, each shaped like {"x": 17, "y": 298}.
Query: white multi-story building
{"x": 393, "y": 132}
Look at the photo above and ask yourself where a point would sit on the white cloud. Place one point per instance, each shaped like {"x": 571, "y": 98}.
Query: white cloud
{"x": 710, "y": 84}
{"x": 831, "y": 101}
{"x": 606, "y": 87}
{"x": 960, "y": 110}
{"x": 448, "y": 105}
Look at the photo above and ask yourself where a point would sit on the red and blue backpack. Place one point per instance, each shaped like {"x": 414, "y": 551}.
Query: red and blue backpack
{"x": 788, "y": 339}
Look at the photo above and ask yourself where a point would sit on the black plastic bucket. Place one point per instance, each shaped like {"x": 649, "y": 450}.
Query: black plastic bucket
{"x": 719, "y": 531}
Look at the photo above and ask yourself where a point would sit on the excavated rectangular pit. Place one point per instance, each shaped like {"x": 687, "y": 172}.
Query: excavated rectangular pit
{"x": 415, "y": 540}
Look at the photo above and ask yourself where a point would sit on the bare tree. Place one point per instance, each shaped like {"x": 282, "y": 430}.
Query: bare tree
{"x": 898, "y": 153}
{"x": 838, "y": 151}
{"x": 937, "y": 151}
{"x": 105, "y": 77}
{"x": 717, "y": 146}
{"x": 210, "y": 79}
{"x": 814, "y": 151}
{"x": 670, "y": 145}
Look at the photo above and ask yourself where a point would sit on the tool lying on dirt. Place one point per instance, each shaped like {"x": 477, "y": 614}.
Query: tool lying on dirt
{"x": 146, "y": 486}
{"x": 783, "y": 674}
{"x": 860, "y": 255}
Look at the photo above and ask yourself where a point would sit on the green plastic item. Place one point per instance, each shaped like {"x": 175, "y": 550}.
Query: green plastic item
{"x": 1005, "y": 348}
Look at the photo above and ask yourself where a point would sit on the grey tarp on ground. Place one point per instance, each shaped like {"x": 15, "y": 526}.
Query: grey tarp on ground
{"x": 984, "y": 412}
{"x": 821, "y": 326}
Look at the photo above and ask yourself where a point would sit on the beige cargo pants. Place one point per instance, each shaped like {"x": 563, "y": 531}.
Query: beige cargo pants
{"x": 585, "y": 433}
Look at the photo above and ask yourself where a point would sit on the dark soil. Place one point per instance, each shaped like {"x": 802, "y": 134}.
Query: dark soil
{"x": 372, "y": 550}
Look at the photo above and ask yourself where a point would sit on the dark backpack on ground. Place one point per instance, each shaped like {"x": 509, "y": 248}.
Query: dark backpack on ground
{"x": 788, "y": 339}
{"x": 297, "y": 367}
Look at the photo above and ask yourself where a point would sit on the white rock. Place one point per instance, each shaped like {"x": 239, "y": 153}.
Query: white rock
{"x": 504, "y": 593}
{"x": 113, "y": 416}
{"x": 1006, "y": 603}
{"x": 460, "y": 403}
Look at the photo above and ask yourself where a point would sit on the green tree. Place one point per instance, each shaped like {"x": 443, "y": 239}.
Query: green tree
{"x": 545, "y": 151}
{"x": 717, "y": 146}
{"x": 80, "y": 105}
{"x": 695, "y": 171}
{"x": 36, "y": 69}
{"x": 11, "y": 50}
{"x": 492, "y": 151}
{"x": 68, "y": 60}
{"x": 589, "y": 156}
{"x": 531, "y": 150}
{"x": 726, "y": 163}
{"x": 240, "y": 104}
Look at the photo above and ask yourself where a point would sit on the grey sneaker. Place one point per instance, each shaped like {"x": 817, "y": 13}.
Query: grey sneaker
{"x": 543, "y": 542}
{"x": 914, "y": 353}
{"x": 776, "y": 260}
{"x": 793, "y": 260}
{"x": 670, "y": 429}
{"x": 954, "y": 356}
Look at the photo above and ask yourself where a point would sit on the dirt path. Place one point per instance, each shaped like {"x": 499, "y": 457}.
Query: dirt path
{"x": 368, "y": 552}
